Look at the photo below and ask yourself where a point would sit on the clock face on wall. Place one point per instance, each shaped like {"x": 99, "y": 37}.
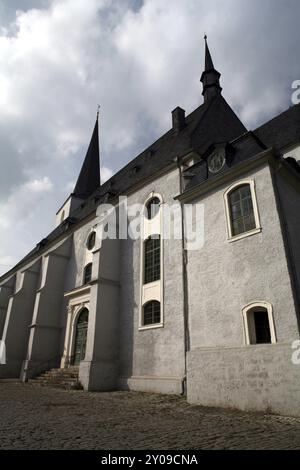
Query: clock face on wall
{"x": 216, "y": 160}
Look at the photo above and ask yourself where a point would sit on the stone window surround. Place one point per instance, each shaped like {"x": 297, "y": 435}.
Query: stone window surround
{"x": 248, "y": 327}
{"x": 231, "y": 238}
{"x": 153, "y": 290}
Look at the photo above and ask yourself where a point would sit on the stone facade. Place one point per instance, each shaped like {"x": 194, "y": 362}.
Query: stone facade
{"x": 202, "y": 345}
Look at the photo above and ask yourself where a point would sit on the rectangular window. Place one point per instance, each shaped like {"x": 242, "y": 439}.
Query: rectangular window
{"x": 152, "y": 260}
{"x": 241, "y": 210}
{"x": 151, "y": 313}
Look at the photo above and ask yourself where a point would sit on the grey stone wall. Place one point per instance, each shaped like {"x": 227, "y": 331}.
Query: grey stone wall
{"x": 260, "y": 378}
{"x": 224, "y": 277}
{"x": 154, "y": 353}
{"x": 289, "y": 192}
{"x": 74, "y": 275}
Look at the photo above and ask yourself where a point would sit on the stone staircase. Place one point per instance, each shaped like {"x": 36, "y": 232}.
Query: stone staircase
{"x": 59, "y": 378}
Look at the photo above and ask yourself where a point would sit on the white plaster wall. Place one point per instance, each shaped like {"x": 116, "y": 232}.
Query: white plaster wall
{"x": 79, "y": 256}
{"x": 223, "y": 277}
{"x": 289, "y": 190}
{"x": 154, "y": 352}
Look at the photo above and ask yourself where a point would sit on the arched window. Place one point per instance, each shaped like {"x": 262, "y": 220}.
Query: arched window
{"x": 242, "y": 210}
{"x": 152, "y": 259}
{"x": 259, "y": 324}
{"x": 87, "y": 273}
{"x": 91, "y": 240}
{"x": 151, "y": 312}
{"x": 152, "y": 207}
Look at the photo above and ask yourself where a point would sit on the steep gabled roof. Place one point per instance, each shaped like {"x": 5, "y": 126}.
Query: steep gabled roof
{"x": 89, "y": 177}
{"x": 220, "y": 124}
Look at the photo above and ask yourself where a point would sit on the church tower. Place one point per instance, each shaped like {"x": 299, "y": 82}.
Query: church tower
{"x": 88, "y": 180}
{"x": 210, "y": 78}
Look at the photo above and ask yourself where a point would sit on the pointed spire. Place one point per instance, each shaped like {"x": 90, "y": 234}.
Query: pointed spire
{"x": 89, "y": 177}
{"x": 209, "y": 65}
{"x": 210, "y": 78}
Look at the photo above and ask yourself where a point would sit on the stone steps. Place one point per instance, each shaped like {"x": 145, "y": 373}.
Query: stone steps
{"x": 59, "y": 378}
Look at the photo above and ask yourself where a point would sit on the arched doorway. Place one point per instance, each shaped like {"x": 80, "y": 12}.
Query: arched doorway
{"x": 80, "y": 336}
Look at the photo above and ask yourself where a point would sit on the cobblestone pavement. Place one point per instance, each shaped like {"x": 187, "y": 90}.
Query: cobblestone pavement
{"x": 45, "y": 418}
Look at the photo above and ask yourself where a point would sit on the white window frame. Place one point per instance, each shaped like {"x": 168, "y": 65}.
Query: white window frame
{"x": 249, "y": 331}
{"x": 257, "y": 229}
{"x": 88, "y": 239}
{"x": 151, "y": 227}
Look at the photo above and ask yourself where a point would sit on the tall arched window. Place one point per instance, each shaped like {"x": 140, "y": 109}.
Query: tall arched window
{"x": 241, "y": 209}
{"x": 151, "y": 306}
{"x": 151, "y": 313}
{"x": 87, "y": 276}
{"x": 152, "y": 259}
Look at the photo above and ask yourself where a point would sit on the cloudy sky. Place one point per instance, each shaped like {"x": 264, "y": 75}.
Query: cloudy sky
{"x": 139, "y": 60}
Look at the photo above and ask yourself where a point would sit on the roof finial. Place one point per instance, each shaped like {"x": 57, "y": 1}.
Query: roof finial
{"x": 205, "y": 36}
{"x": 98, "y": 110}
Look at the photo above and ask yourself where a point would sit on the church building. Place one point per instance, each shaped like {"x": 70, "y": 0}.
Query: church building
{"x": 218, "y": 323}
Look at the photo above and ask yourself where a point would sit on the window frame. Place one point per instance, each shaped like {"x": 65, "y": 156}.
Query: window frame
{"x": 151, "y": 325}
{"x": 230, "y": 236}
{"x": 152, "y": 291}
{"x": 88, "y": 265}
{"x": 90, "y": 235}
{"x": 248, "y": 327}
{"x": 148, "y": 203}
{"x": 158, "y": 239}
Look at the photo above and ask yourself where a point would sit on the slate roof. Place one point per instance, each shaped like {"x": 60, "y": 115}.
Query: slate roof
{"x": 281, "y": 131}
{"x": 89, "y": 176}
{"x": 237, "y": 151}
